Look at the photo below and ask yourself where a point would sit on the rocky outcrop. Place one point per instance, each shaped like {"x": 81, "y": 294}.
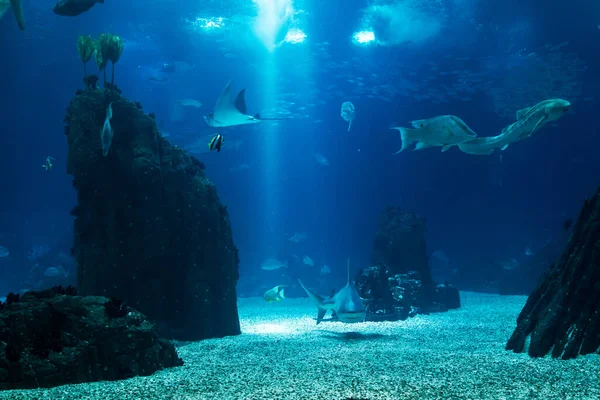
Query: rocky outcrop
{"x": 390, "y": 296}
{"x": 47, "y": 339}
{"x": 562, "y": 315}
{"x": 149, "y": 226}
{"x": 400, "y": 244}
{"x": 399, "y": 284}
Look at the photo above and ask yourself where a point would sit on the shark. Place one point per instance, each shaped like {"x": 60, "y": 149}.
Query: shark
{"x": 345, "y": 304}
{"x": 232, "y": 113}
{"x": 17, "y": 10}
{"x": 529, "y": 120}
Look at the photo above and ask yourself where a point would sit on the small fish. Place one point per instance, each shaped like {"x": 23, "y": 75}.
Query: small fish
{"x": 107, "y": 133}
{"x": 189, "y": 103}
{"x": 48, "y": 164}
{"x": 298, "y": 237}
{"x": 325, "y": 269}
{"x": 528, "y": 252}
{"x": 443, "y": 130}
{"x": 73, "y": 8}
{"x": 321, "y": 159}
{"x": 275, "y": 294}
{"x": 308, "y": 261}
{"x": 4, "y": 252}
{"x": 216, "y": 143}
{"x": 272, "y": 264}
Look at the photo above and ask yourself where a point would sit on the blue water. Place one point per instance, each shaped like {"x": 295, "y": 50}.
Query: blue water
{"x": 470, "y": 58}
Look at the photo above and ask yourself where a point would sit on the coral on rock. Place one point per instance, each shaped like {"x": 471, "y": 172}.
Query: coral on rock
{"x": 48, "y": 339}
{"x": 149, "y": 228}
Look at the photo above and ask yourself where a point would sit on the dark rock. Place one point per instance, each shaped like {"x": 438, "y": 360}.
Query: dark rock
{"x": 68, "y": 291}
{"x": 400, "y": 296}
{"x": 115, "y": 308}
{"x": 562, "y": 315}
{"x": 91, "y": 81}
{"x": 399, "y": 285}
{"x": 400, "y": 244}
{"x": 48, "y": 340}
{"x": 447, "y": 297}
{"x": 149, "y": 228}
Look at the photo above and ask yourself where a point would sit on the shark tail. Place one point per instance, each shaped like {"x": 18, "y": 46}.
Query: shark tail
{"x": 318, "y": 300}
{"x": 408, "y": 137}
{"x": 281, "y": 294}
{"x": 18, "y": 11}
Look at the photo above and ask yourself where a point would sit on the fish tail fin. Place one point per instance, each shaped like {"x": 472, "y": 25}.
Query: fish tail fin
{"x": 281, "y": 294}
{"x": 320, "y": 315}
{"x": 18, "y": 11}
{"x": 408, "y": 137}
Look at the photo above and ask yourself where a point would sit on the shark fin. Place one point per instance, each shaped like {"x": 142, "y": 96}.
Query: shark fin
{"x": 320, "y": 315}
{"x": 446, "y": 148}
{"x": 504, "y": 147}
{"x": 408, "y": 136}
{"x": 348, "y": 266}
{"x": 240, "y": 102}
{"x": 420, "y": 145}
{"x": 522, "y": 113}
{"x": 281, "y": 294}
{"x": 18, "y": 11}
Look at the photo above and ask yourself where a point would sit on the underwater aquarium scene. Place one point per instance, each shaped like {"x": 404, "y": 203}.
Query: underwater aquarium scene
{"x": 300, "y": 199}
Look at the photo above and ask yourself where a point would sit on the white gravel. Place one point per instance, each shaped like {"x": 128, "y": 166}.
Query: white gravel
{"x": 282, "y": 354}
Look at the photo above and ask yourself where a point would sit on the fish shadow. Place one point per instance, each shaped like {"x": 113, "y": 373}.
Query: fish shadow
{"x": 353, "y": 336}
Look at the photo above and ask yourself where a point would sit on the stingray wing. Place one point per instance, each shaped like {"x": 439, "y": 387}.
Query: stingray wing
{"x": 18, "y": 11}
{"x": 224, "y": 104}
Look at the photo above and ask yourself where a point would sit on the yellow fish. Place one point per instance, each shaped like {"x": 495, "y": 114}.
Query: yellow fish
{"x": 275, "y": 294}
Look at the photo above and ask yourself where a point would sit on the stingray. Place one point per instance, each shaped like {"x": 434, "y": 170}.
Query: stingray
{"x": 17, "y": 10}
{"x": 232, "y": 113}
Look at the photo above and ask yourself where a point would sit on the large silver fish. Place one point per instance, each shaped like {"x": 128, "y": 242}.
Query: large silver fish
{"x": 443, "y": 130}
{"x": 529, "y": 120}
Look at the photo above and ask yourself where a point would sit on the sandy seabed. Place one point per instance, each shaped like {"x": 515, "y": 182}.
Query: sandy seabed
{"x": 283, "y": 354}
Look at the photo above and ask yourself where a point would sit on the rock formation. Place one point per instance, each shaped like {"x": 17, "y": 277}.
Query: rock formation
{"x": 47, "y": 339}
{"x": 399, "y": 284}
{"x": 400, "y": 244}
{"x": 149, "y": 226}
{"x": 562, "y": 315}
